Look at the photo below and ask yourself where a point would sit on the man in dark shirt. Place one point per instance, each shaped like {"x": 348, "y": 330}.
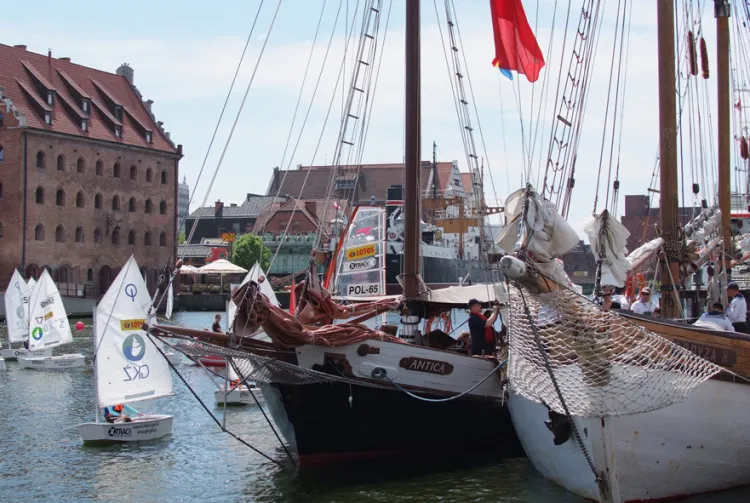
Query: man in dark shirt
{"x": 480, "y": 326}
{"x": 217, "y": 324}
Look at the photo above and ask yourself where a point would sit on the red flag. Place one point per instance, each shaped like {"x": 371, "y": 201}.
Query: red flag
{"x": 516, "y": 47}
{"x": 293, "y": 299}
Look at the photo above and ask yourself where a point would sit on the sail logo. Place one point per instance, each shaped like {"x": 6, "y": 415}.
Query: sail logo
{"x": 37, "y": 333}
{"x": 114, "y": 431}
{"x": 131, "y": 291}
{"x": 47, "y": 302}
{"x": 128, "y": 325}
{"x": 49, "y": 315}
{"x": 359, "y": 265}
{"x": 134, "y": 347}
{"x": 361, "y": 252}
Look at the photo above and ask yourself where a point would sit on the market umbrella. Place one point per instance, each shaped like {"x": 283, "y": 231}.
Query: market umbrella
{"x": 222, "y": 267}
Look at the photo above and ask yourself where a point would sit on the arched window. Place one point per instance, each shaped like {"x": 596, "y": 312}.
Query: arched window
{"x": 60, "y": 197}
{"x": 131, "y": 237}
{"x": 163, "y": 177}
{"x": 39, "y": 195}
{"x": 1, "y": 190}
{"x": 147, "y": 239}
{"x": 79, "y": 234}
{"x": 148, "y": 206}
{"x": 40, "y": 161}
{"x": 133, "y": 173}
{"x": 116, "y": 170}
{"x": 63, "y": 274}
{"x": 90, "y": 275}
{"x": 163, "y": 207}
{"x": 81, "y": 165}
{"x": 98, "y": 201}
{"x": 163, "y": 239}
{"x": 32, "y": 271}
{"x": 39, "y": 232}
{"x": 116, "y": 236}
{"x": 97, "y": 235}
{"x": 1, "y": 230}
{"x": 131, "y": 204}
{"x": 115, "y": 203}
{"x": 149, "y": 175}
{"x": 2, "y": 153}
{"x": 144, "y": 271}
{"x": 79, "y": 199}
{"x": 99, "y": 168}
{"x": 60, "y": 163}
{"x": 60, "y": 234}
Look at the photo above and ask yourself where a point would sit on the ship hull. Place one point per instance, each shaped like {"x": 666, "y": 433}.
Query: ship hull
{"x": 438, "y": 272}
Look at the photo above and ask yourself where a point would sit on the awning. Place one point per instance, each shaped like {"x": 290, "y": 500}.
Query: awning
{"x": 221, "y": 266}
{"x": 459, "y": 296}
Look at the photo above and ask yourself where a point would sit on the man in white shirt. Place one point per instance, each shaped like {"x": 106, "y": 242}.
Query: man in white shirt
{"x": 643, "y": 305}
{"x": 715, "y": 319}
{"x": 737, "y": 311}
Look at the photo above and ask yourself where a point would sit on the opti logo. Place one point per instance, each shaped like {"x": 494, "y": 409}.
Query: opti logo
{"x": 134, "y": 347}
{"x": 37, "y": 333}
{"x": 131, "y": 291}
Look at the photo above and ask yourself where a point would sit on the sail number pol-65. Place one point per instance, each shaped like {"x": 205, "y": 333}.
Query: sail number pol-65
{"x": 363, "y": 289}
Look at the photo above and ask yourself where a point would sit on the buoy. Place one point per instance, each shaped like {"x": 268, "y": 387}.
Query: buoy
{"x": 79, "y": 325}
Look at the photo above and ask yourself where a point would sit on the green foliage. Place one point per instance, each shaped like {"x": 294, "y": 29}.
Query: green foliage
{"x": 181, "y": 238}
{"x": 247, "y": 250}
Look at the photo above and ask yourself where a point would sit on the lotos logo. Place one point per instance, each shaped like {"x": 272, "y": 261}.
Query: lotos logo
{"x": 361, "y": 252}
{"x": 127, "y": 325}
{"x": 37, "y": 333}
{"x": 134, "y": 347}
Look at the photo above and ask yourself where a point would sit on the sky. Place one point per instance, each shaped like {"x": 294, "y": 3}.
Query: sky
{"x": 184, "y": 59}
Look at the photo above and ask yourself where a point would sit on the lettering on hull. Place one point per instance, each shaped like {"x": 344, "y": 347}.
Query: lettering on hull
{"x": 425, "y": 365}
{"x": 719, "y": 356}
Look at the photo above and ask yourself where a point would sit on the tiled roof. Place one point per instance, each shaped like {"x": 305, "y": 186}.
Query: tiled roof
{"x": 20, "y": 70}
{"x": 251, "y": 208}
{"x": 320, "y": 212}
{"x": 466, "y": 181}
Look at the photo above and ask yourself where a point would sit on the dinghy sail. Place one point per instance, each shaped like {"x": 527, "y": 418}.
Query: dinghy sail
{"x": 17, "y": 297}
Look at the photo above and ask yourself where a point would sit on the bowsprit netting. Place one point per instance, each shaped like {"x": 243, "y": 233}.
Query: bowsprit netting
{"x": 603, "y": 364}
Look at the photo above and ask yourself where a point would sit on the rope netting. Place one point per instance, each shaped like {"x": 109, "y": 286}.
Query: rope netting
{"x": 567, "y": 351}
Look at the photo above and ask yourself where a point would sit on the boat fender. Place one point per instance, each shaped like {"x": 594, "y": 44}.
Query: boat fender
{"x": 379, "y": 373}
{"x": 512, "y": 267}
{"x": 560, "y": 427}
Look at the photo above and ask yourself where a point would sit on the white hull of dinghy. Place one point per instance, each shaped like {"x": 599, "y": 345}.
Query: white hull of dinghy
{"x": 239, "y": 396}
{"x": 140, "y": 429}
{"x": 2, "y": 364}
{"x": 693, "y": 447}
{"x": 60, "y": 362}
{"x": 12, "y": 354}
{"x": 174, "y": 358}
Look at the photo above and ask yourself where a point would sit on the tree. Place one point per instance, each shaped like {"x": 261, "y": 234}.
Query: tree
{"x": 247, "y": 250}
{"x": 181, "y": 238}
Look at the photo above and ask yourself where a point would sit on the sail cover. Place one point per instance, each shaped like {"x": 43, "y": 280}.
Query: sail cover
{"x": 129, "y": 368}
{"x": 17, "y": 308}
{"x": 48, "y": 321}
{"x": 609, "y": 236}
{"x": 361, "y": 261}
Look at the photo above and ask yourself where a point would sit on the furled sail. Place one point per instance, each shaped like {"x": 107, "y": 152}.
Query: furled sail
{"x": 608, "y": 238}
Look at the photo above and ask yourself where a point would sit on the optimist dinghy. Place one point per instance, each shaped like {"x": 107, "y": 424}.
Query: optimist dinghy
{"x": 17, "y": 297}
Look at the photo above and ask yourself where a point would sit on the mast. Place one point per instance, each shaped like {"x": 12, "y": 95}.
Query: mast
{"x": 412, "y": 213}
{"x": 668, "y": 156}
{"x": 721, "y": 11}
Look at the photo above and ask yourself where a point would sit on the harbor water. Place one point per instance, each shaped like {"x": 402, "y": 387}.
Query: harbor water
{"x": 42, "y": 458}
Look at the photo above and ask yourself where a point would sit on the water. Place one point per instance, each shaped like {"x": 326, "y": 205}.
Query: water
{"x": 42, "y": 457}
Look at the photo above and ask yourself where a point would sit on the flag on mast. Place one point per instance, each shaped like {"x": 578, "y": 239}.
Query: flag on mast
{"x": 516, "y": 47}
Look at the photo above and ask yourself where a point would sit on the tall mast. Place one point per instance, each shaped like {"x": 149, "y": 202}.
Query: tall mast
{"x": 668, "y": 155}
{"x": 412, "y": 213}
{"x": 721, "y": 11}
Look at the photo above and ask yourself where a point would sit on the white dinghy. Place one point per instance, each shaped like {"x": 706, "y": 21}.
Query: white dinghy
{"x": 127, "y": 366}
{"x": 17, "y": 297}
{"x": 232, "y": 393}
{"x": 48, "y": 328}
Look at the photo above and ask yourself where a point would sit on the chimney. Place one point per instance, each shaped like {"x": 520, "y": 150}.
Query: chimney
{"x": 126, "y": 71}
{"x": 148, "y": 104}
{"x": 67, "y": 60}
{"x": 218, "y": 209}
{"x": 20, "y": 46}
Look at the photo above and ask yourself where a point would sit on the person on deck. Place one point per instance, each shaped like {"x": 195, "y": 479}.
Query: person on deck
{"x": 643, "y": 305}
{"x": 117, "y": 413}
{"x": 216, "y": 327}
{"x": 618, "y": 296}
{"x": 608, "y": 302}
{"x": 480, "y": 326}
{"x": 715, "y": 319}
{"x": 737, "y": 311}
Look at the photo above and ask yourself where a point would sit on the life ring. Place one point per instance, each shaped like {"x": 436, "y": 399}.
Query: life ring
{"x": 442, "y": 321}
{"x": 635, "y": 284}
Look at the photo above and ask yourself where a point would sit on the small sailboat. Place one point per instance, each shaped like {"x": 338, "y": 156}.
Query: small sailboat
{"x": 127, "y": 365}
{"x": 17, "y": 297}
{"x": 234, "y": 393}
{"x": 48, "y": 328}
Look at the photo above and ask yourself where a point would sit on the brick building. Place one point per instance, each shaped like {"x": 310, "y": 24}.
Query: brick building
{"x": 87, "y": 176}
{"x": 212, "y": 221}
{"x": 641, "y": 220}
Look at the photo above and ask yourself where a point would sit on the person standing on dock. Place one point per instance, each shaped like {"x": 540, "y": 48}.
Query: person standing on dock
{"x": 737, "y": 311}
{"x": 480, "y": 326}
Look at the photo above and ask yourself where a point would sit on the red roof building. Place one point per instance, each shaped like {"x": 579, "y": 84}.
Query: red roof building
{"x": 87, "y": 175}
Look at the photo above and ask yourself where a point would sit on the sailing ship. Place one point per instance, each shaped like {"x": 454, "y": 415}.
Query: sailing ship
{"x": 128, "y": 367}
{"x": 17, "y": 297}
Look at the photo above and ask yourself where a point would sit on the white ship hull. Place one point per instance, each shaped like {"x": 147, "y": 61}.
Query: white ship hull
{"x": 142, "y": 428}
{"x": 12, "y": 354}
{"x": 2, "y": 364}
{"x": 239, "y": 396}
{"x": 60, "y": 362}
{"x": 697, "y": 446}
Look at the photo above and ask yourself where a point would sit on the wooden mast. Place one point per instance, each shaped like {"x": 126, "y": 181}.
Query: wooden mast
{"x": 721, "y": 11}
{"x": 412, "y": 143}
{"x": 668, "y": 155}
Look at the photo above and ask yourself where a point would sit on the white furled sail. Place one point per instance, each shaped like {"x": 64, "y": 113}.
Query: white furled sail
{"x": 17, "y": 308}
{"x": 607, "y": 233}
{"x": 48, "y": 321}
{"x": 360, "y": 266}
{"x": 129, "y": 368}
{"x": 32, "y": 284}
{"x": 170, "y": 302}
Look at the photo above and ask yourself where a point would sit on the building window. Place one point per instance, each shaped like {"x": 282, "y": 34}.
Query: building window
{"x": 98, "y": 201}
{"x": 149, "y": 137}
{"x": 81, "y": 165}
{"x": 1, "y": 190}
{"x": 163, "y": 177}
{"x": 99, "y": 168}
{"x": 40, "y": 159}
{"x": 1, "y": 120}
{"x": 116, "y": 203}
{"x": 149, "y": 175}
{"x": 48, "y": 117}
{"x": 79, "y": 200}
{"x": 131, "y": 237}
{"x": 116, "y": 170}
{"x": 148, "y": 205}
{"x": 1, "y": 229}
{"x": 163, "y": 207}
{"x": 85, "y": 104}
{"x": 39, "y": 232}
{"x": 2, "y": 154}
{"x": 39, "y": 195}
{"x": 90, "y": 272}
{"x": 147, "y": 239}
{"x": 79, "y": 234}
{"x": 163, "y": 239}
{"x": 60, "y": 163}
{"x": 118, "y": 131}
{"x": 84, "y": 125}
{"x": 133, "y": 173}
{"x": 60, "y": 197}
{"x": 116, "y": 236}
{"x": 97, "y": 235}
{"x": 60, "y": 234}
{"x": 131, "y": 205}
